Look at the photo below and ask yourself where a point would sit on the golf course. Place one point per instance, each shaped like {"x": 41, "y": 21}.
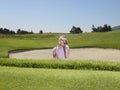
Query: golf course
{"x": 51, "y": 74}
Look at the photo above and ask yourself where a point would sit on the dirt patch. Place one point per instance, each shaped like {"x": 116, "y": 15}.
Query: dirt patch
{"x": 75, "y": 54}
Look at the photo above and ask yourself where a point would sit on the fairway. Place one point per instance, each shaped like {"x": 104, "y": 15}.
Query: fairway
{"x": 57, "y": 74}
{"x": 12, "y": 78}
{"x": 59, "y": 45}
{"x": 48, "y": 41}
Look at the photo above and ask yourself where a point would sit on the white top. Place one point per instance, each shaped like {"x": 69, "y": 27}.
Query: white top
{"x": 59, "y": 52}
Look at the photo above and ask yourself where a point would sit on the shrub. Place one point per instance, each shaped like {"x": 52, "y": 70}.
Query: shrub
{"x": 57, "y": 64}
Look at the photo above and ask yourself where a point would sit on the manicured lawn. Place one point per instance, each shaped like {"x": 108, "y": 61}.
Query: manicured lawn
{"x": 100, "y": 40}
{"x": 67, "y": 77}
{"x": 12, "y": 78}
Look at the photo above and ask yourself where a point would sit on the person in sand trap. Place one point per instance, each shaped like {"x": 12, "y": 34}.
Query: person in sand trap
{"x": 61, "y": 51}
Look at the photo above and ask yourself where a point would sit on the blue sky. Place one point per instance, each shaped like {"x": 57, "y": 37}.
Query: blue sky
{"x": 58, "y": 15}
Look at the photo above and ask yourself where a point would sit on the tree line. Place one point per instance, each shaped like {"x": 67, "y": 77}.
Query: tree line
{"x": 104, "y": 28}
{"x": 6, "y": 31}
{"x": 74, "y": 30}
{"x": 19, "y": 31}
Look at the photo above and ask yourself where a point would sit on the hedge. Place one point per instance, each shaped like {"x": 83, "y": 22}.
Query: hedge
{"x": 60, "y": 64}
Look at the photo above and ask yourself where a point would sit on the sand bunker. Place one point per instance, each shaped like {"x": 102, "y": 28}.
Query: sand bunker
{"x": 75, "y": 54}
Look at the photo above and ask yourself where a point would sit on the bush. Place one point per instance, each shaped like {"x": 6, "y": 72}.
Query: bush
{"x": 56, "y": 64}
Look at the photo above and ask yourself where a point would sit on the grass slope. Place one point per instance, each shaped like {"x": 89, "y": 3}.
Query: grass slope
{"x": 101, "y": 40}
{"x": 12, "y": 78}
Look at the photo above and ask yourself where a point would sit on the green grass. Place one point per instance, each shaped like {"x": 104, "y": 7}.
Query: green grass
{"x": 33, "y": 41}
{"x": 12, "y": 78}
{"x": 100, "y": 40}
{"x": 19, "y": 42}
{"x": 57, "y": 64}
{"x": 61, "y": 75}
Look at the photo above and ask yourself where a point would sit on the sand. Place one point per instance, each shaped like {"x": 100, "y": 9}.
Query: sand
{"x": 75, "y": 54}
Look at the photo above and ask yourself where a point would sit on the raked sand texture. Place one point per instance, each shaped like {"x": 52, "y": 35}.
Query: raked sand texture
{"x": 75, "y": 54}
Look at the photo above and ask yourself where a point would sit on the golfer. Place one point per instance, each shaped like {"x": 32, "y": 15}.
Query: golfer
{"x": 61, "y": 51}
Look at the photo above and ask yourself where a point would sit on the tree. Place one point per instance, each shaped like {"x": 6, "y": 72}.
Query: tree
{"x": 104, "y": 28}
{"x": 94, "y": 29}
{"x": 19, "y": 31}
{"x": 41, "y": 32}
{"x": 31, "y": 32}
{"x": 78, "y": 30}
{"x": 1, "y": 30}
{"x": 6, "y": 31}
{"x": 75, "y": 30}
{"x": 12, "y": 32}
{"x": 109, "y": 28}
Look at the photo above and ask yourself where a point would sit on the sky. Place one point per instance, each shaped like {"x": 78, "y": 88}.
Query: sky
{"x": 58, "y": 15}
